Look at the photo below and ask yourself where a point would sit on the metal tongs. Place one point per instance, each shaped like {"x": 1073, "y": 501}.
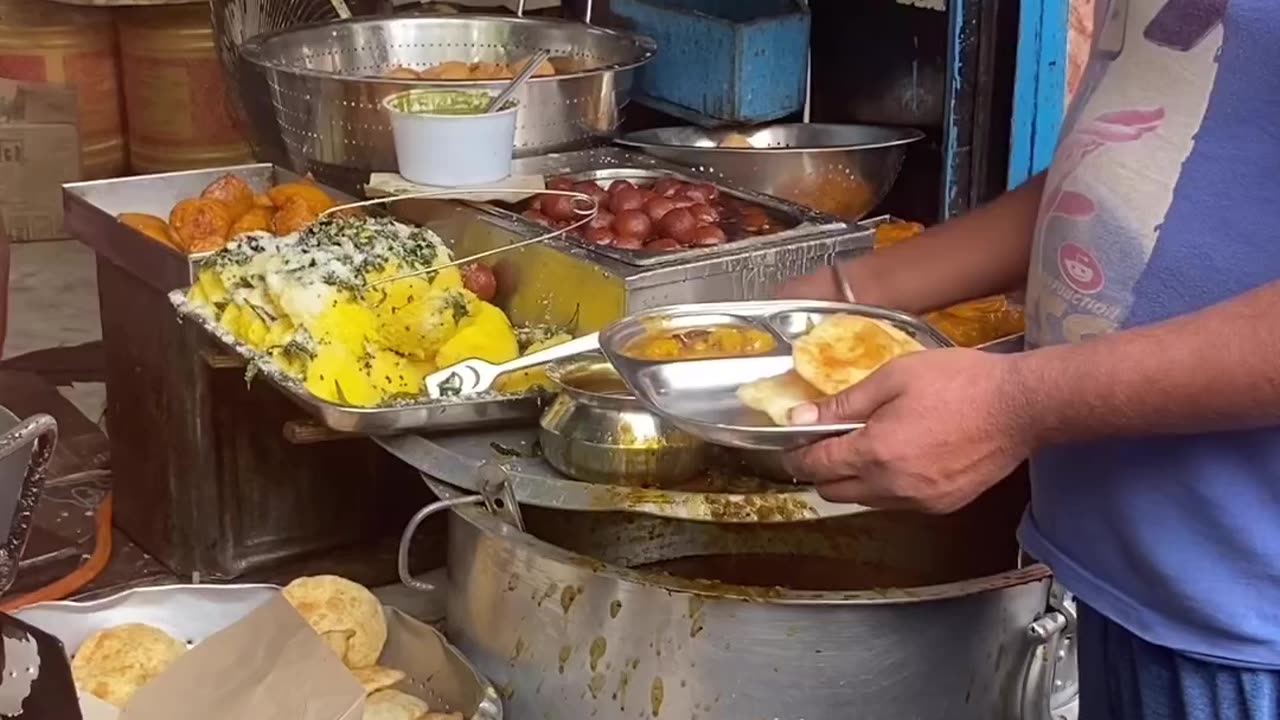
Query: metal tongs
{"x": 473, "y": 376}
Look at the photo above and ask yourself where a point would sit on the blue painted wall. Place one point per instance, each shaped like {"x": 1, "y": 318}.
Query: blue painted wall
{"x": 1039, "y": 87}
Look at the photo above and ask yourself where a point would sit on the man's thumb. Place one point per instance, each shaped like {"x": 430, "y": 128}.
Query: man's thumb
{"x": 854, "y": 404}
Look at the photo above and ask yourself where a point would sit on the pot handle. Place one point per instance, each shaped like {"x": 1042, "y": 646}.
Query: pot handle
{"x": 406, "y": 538}
{"x": 40, "y": 434}
{"x": 1048, "y": 635}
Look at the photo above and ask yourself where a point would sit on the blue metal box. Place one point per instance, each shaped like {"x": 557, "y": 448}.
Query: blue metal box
{"x": 722, "y": 61}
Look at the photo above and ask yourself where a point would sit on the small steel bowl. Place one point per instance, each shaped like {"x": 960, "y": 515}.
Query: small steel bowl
{"x": 596, "y": 431}
{"x": 841, "y": 170}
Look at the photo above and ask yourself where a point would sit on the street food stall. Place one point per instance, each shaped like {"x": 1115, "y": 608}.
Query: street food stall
{"x": 541, "y": 386}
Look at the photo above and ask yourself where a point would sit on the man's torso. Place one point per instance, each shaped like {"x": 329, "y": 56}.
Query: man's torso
{"x": 1164, "y": 198}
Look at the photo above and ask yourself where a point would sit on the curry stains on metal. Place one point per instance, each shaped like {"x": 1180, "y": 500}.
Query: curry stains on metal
{"x": 599, "y": 646}
{"x": 656, "y": 694}
{"x": 568, "y": 596}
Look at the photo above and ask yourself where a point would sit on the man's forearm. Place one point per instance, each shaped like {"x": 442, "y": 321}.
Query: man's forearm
{"x": 1212, "y": 370}
{"x": 982, "y": 253}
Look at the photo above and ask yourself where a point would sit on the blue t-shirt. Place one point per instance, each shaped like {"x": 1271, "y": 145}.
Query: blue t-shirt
{"x": 1164, "y": 198}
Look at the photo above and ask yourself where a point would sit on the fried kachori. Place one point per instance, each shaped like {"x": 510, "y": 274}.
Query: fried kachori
{"x": 843, "y": 350}
{"x": 149, "y": 225}
{"x": 376, "y": 677}
{"x": 231, "y": 191}
{"x": 200, "y": 224}
{"x": 394, "y": 705}
{"x": 257, "y": 219}
{"x": 113, "y": 663}
{"x": 342, "y": 611}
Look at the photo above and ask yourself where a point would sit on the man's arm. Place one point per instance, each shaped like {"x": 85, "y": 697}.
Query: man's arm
{"x": 982, "y": 253}
{"x": 1216, "y": 369}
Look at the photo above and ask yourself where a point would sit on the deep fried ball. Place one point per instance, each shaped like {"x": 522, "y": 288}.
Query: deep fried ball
{"x": 257, "y": 219}
{"x": 232, "y": 192}
{"x": 200, "y": 224}
{"x": 315, "y": 198}
{"x": 292, "y": 216}
{"x": 151, "y": 226}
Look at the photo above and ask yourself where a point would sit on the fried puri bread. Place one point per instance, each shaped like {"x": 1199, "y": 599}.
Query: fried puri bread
{"x": 394, "y": 705}
{"x": 376, "y": 678}
{"x": 843, "y": 350}
{"x": 776, "y": 396}
{"x": 113, "y": 663}
{"x": 346, "y": 615}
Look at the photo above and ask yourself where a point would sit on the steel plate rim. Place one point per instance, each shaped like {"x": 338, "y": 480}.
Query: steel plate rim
{"x": 1009, "y": 578}
{"x": 252, "y": 51}
{"x": 910, "y": 135}
{"x": 578, "y": 496}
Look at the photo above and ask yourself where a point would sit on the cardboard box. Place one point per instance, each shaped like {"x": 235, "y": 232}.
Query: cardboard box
{"x": 39, "y": 151}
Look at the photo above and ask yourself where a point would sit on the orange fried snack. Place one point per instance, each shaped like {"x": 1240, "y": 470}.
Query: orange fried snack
{"x": 149, "y": 225}
{"x": 200, "y": 224}
{"x": 317, "y": 201}
{"x": 979, "y": 321}
{"x": 294, "y": 215}
{"x": 892, "y": 233}
{"x": 232, "y": 192}
{"x": 257, "y": 219}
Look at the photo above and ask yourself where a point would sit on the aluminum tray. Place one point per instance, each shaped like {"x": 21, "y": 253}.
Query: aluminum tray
{"x": 800, "y": 221}
{"x": 700, "y": 396}
{"x": 91, "y": 209}
{"x": 193, "y": 612}
{"x": 481, "y": 410}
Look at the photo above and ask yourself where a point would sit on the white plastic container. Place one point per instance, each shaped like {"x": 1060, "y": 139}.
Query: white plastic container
{"x": 451, "y": 149}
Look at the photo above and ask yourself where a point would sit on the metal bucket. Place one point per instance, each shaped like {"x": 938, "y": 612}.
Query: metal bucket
{"x": 599, "y": 615}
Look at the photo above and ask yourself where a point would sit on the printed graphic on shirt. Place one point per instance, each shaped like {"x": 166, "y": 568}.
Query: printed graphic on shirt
{"x": 1128, "y": 133}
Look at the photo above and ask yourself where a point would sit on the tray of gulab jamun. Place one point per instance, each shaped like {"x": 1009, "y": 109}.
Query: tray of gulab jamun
{"x": 651, "y": 217}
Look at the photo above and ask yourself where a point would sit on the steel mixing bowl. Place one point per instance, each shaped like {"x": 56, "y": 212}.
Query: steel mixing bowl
{"x": 597, "y": 431}
{"x": 842, "y": 170}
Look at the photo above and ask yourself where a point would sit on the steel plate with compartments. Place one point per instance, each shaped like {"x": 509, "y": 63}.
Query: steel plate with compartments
{"x": 191, "y": 613}
{"x": 700, "y": 396}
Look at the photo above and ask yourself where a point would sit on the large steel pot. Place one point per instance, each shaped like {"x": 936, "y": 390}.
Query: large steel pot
{"x": 566, "y": 626}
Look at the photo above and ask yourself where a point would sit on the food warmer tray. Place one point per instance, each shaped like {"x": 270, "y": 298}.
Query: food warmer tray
{"x": 479, "y": 410}
{"x": 609, "y": 164}
{"x": 458, "y": 459}
{"x": 193, "y": 612}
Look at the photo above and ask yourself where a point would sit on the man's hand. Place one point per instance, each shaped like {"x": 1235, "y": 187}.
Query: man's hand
{"x": 942, "y": 427}
{"x": 818, "y": 285}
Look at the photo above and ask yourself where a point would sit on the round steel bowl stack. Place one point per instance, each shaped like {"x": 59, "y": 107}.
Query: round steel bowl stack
{"x": 842, "y": 170}
{"x": 326, "y": 83}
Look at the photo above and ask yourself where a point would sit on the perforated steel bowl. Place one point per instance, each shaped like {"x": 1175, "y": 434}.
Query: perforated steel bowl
{"x": 842, "y": 170}
{"x": 326, "y": 86}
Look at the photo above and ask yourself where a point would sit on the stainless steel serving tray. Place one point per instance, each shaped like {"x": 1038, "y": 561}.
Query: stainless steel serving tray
{"x": 193, "y": 612}
{"x": 444, "y": 414}
{"x": 700, "y": 396}
{"x": 802, "y": 221}
{"x": 91, "y": 208}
